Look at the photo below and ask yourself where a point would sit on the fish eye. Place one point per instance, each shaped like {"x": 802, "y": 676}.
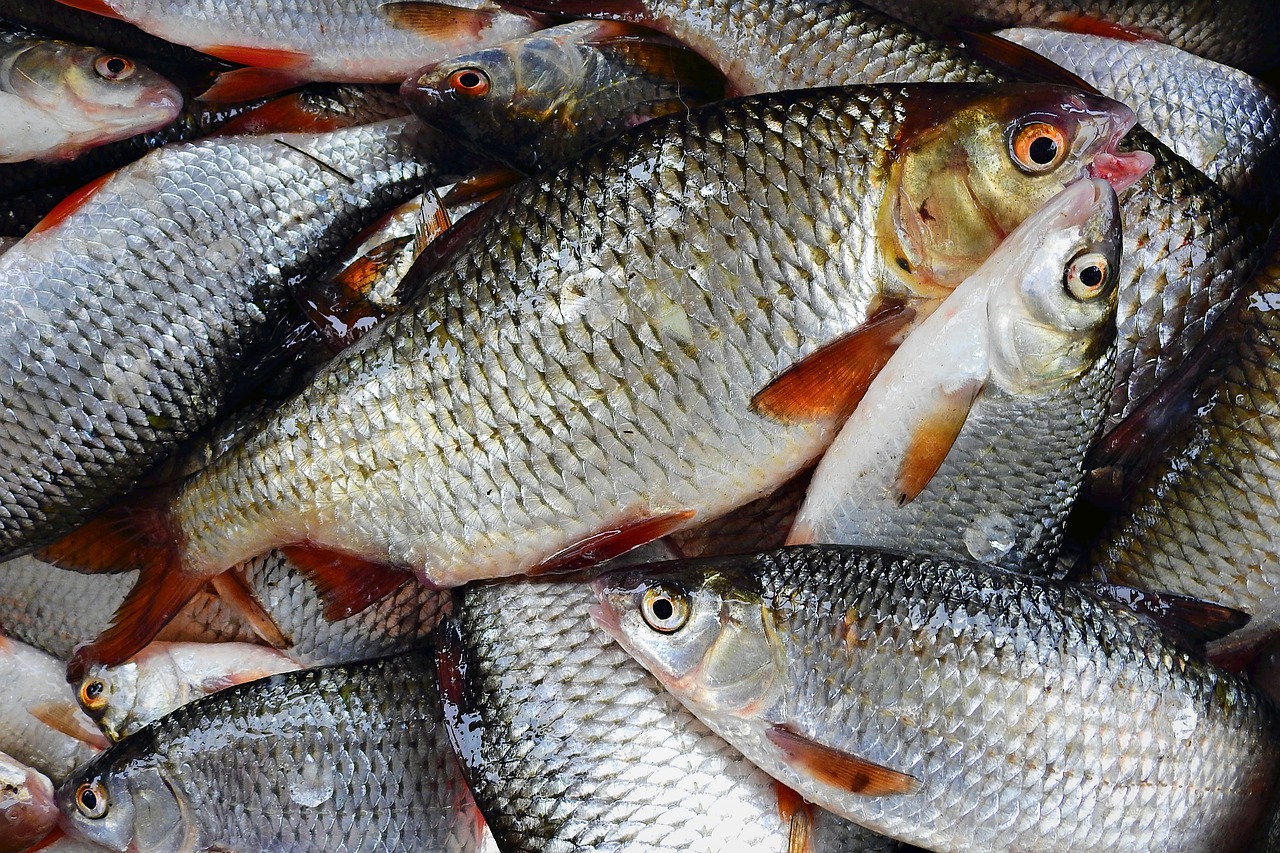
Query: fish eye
{"x": 91, "y": 799}
{"x": 113, "y": 67}
{"x": 1038, "y": 147}
{"x": 1087, "y": 276}
{"x": 93, "y": 694}
{"x": 470, "y": 81}
{"x": 664, "y": 609}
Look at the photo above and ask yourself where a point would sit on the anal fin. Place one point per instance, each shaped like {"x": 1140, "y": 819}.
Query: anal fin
{"x": 839, "y": 769}
{"x": 612, "y": 542}
{"x": 234, "y": 591}
{"x": 248, "y": 84}
{"x": 797, "y": 814}
{"x": 346, "y": 582}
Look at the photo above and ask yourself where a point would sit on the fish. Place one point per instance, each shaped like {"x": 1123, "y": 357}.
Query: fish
{"x": 164, "y": 676}
{"x": 568, "y": 744}
{"x": 970, "y": 443}
{"x": 58, "y": 99}
{"x": 1224, "y": 122}
{"x": 954, "y": 705}
{"x": 299, "y": 41}
{"x": 126, "y": 316}
{"x": 1189, "y": 250}
{"x": 548, "y": 96}
{"x": 348, "y": 757}
{"x": 27, "y": 811}
{"x": 40, "y": 723}
{"x": 1202, "y": 520}
{"x": 534, "y": 407}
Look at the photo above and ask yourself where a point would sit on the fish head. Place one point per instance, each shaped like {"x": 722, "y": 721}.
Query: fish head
{"x": 970, "y": 163}
{"x": 1053, "y": 315}
{"x": 27, "y": 810}
{"x": 121, "y": 801}
{"x": 124, "y": 698}
{"x": 100, "y": 692}
{"x": 469, "y": 94}
{"x": 704, "y": 633}
{"x": 91, "y": 92}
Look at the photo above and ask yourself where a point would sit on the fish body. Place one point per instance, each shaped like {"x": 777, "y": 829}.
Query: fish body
{"x": 124, "y": 324}
{"x": 344, "y": 758}
{"x": 980, "y": 421}
{"x": 1225, "y": 122}
{"x": 57, "y": 98}
{"x": 27, "y": 811}
{"x": 556, "y": 355}
{"x": 40, "y": 723}
{"x": 569, "y": 744}
{"x": 952, "y": 705}
{"x": 550, "y": 95}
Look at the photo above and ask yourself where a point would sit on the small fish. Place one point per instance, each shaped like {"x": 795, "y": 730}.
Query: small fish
{"x": 27, "y": 810}
{"x": 546, "y": 97}
{"x": 165, "y": 676}
{"x": 297, "y": 41}
{"x": 341, "y": 758}
{"x": 979, "y": 423}
{"x": 953, "y": 705}
{"x": 453, "y": 443}
{"x": 58, "y": 99}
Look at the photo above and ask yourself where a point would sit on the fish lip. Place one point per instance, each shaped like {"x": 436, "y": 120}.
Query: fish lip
{"x": 1121, "y": 169}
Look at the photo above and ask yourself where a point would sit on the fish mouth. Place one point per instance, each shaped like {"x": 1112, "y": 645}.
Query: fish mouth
{"x": 1121, "y": 169}
{"x": 605, "y": 617}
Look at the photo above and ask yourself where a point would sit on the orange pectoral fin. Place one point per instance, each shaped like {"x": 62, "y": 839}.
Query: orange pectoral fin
{"x": 346, "y": 583}
{"x": 65, "y": 717}
{"x": 932, "y": 441}
{"x": 839, "y": 769}
{"x": 287, "y": 114}
{"x": 69, "y": 205}
{"x": 437, "y": 20}
{"x": 831, "y": 381}
{"x": 248, "y": 84}
{"x": 613, "y": 542}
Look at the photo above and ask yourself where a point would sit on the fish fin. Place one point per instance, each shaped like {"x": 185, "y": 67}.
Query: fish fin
{"x": 839, "y": 769}
{"x": 437, "y": 20}
{"x": 345, "y": 582}
{"x": 798, "y": 815}
{"x": 1025, "y": 61}
{"x": 1190, "y": 619}
{"x": 932, "y": 440}
{"x": 438, "y": 252}
{"x": 482, "y": 185}
{"x": 287, "y": 114}
{"x": 260, "y": 57}
{"x": 69, "y": 205}
{"x": 97, "y": 7}
{"x": 1087, "y": 25}
{"x": 618, "y": 10}
{"x": 607, "y": 544}
{"x": 453, "y": 681}
{"x": 801, "y": 533}
{"x": 160, "y": 592}
{"x": 248, "y": 84}
{"x": 135, "y": 533}
{"x": 359, "y": 276}
{"x": 831, "y": 381}
{"x": 343, "y": 313}
{"x": 234, "y": 590}
{"x": 67, "y": 718}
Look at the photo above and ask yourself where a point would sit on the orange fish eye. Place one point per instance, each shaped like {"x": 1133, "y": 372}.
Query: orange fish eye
{"x": 1088, "y": 275}
{"x": 91, "y": 800}
{"x": 113, "y": 67}
{"x": 93, "y": 694}
{"x": 470, "y": 81}
{"x": 1038, "y": 147}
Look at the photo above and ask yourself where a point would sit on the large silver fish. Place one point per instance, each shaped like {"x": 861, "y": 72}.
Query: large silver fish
{"x": 952, "y": 705}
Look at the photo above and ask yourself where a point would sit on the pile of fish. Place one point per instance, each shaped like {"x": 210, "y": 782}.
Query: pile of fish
{"x": 639, "y": 425}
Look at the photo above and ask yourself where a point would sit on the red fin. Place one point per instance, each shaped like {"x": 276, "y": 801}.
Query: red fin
{"x": 1190, "y": 619}
{"x": 932, "y": 441}
{"x": 348, "y": 584}
{"x": 481, "y": 186}
{"x": 97, "y": 7}
{"x": 289, "y": 114}
{"x": 70, "y": 204}
{"x": 1238, "y": 660}
{"x": 340, "y": 308}
{"x": 830, "y": 382}
{"x": 462, "y": 723}
{"x": 247, "y": 84}
{"x": 618, "y": 10}
{"x": 839, "y": 769}
{"x": 49, "y": 840}
{"x": 234, "y": 590}
{"x": 65, "y": 717}
{"x": 1023, "y": 60}
{"x": 260, "y": 57}
{"x": 133, "y": 534}
{"x": 794, "y": 811}
{"x": 161, "y": 591}
{"x": 610, "y": 543}
{"x": 437, "y": 20}
{"x": 1085, "y": 25}
{"x": 438, "y": 252}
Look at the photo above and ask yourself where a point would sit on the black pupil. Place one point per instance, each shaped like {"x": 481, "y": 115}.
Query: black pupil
{"x": 115, "y": 65}
{"x": 93, "y": 690}
{"x": 662, "y": 610}
{"x": 89, "y": 799}
{"x": 469, "y": 79}
{"x": 1043, "y": 150}
{"x": 1091, "y": 276}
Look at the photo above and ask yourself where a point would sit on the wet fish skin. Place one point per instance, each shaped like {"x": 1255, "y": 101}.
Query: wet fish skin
{"x": 1018, "y": 362}
{"x": 889, "y": 657}
{"x": 548, "y": 96}
{"x": 349, "y": 758}
{"x": 27, "y": 812}
{"x": 168, "y": 302}
{"x": 60, "y": 98}
{"x": 40, "y": 723}
{"x": 572, "y": 745}
{"x": 1223, "y": 121}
